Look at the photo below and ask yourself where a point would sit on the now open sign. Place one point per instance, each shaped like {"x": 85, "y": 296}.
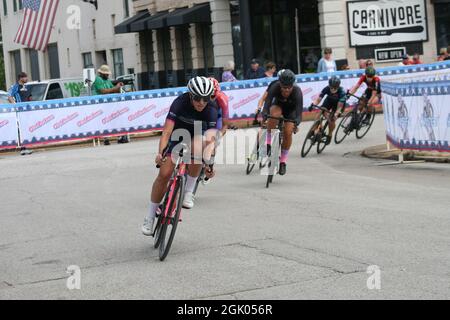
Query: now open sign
{"x": 389, "y": 54}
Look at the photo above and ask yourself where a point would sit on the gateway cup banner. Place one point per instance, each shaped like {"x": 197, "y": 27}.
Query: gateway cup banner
{"x": 380, "y": 22}
{"x": 77, "y": 122}
{"x": 417, "y": 115}
{"x": 8, "y": 129}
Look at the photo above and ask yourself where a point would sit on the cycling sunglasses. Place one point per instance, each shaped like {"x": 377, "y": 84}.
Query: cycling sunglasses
{"x": 198, "y": 98}
{"x": 286, "y": 87}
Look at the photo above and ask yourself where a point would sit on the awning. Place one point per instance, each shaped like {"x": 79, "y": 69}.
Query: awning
{"x": 197, "y": 14}
{"x": 149, "y": 23}
{"x": 125, "y": 26}
{"x": 144, "y": 21}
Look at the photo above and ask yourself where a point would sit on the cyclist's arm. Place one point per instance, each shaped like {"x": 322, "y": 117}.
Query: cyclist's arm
{"x": 165, "y": 136}
{"x": 210, "y": 135}
{"x": 262, "y": 100}
{"x": 269, "y": 99}
{"x": 355, "y": 88}
{"x": 222, "y": 101}
{"x": 299, "y": 106}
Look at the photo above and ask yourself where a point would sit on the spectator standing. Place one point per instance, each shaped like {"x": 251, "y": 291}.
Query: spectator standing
{"x": 18, "y": 92}
{"x": 416, "y": 59}
{"x": 255, "y": 71}
{"x": 369, "y": 63}
{"x": 405, "y": 61}
{"x": 227, "y": 75}
{"x": 443, "y": 54}
{"x": 103, "y": 85}
{"x": 271, "y": 68}
{"x": 448, "y": 54}
{"x": 362, "y": 64}
{"x": 327, "y": 64}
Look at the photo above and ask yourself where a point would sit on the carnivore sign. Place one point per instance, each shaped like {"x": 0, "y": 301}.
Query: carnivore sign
{"x": 386, "y": 21}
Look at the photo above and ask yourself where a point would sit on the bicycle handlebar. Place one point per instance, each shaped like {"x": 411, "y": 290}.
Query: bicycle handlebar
{"x": 183, "y": 151}
{"x": 280, "y": 119}
{"x": 320, "y": 108}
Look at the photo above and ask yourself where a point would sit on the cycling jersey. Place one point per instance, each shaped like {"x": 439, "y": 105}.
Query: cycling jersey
{"x": 292, "y": 106}
{"x": 183, "y": 114}
{"x": 375, "y": 84}
{"x": 333, "y": 99}
{"x": 221, "y": 102}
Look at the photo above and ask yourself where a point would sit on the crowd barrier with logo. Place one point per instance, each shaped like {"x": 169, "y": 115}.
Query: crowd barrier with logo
{"x": 90, "y": 117}
{"x": 417, "y": 115}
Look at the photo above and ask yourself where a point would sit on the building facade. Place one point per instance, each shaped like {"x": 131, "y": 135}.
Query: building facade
{"x": 165, "y": 42}
{"x": 82, "y": 37}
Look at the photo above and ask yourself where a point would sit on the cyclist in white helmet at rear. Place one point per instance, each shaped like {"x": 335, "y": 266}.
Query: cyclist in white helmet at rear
{"x": 192, "y": 108}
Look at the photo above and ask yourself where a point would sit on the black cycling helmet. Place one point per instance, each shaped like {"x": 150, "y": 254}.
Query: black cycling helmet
{"x": 334, "y": 82}
{"x": 287, "y": 78}
{"x": 370, "y": 72}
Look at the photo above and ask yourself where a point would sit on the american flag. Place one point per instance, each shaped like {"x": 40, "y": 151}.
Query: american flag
{"x": 36, "y": 27}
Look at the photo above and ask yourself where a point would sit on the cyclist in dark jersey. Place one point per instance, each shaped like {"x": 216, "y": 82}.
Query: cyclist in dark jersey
{"x": 285, "y": 99}
{"x": 334, "y": 102}
{"x": 372, "y": 95}
{"x": 192, "y": 116}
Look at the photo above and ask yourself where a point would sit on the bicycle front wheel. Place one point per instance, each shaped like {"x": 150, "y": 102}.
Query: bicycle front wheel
{"x": 343, "y": 129}
{"x": 309, "y": 140}
{"x": 364, "y": 127}
{"x": 322, "y": 143}
{"x": 169, "y": 226}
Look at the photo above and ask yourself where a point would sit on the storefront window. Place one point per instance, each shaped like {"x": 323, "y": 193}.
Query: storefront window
{"x": 442, "y": 14}
{"x": 286, "y": 32}
{"x": 237, "y": 41}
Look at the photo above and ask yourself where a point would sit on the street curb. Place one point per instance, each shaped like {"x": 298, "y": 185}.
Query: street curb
{"x": 381, "y": 152}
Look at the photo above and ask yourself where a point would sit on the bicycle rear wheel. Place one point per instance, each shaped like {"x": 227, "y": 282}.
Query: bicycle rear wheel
{"x": 322, "y": 143}
{"x": 309, "y": 140}
{"x": 343, "y": 129}
{"x": 169, "y": 225}
{"x": 365, "y": 127}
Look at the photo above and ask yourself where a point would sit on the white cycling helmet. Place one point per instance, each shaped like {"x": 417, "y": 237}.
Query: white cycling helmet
{"x": 201, "y": 87}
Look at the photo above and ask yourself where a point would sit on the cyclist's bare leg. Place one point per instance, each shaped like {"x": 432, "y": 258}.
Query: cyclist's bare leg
{"x": 275, "y": 111}
{"x": 160, "y": 184}
{"x": 287, "y": 135}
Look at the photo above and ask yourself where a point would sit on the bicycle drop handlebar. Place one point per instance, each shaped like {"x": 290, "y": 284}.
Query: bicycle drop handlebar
{"x": 183, "y": 151}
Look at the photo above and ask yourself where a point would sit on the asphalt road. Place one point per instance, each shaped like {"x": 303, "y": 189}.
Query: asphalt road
{"x": 312, "y": 235}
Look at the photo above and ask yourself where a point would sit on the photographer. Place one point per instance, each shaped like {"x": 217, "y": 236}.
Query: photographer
{"x": 103, "y": 85}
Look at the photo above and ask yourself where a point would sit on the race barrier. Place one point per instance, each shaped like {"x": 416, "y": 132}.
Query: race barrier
{"x": 417, "y": 115}
{"x": 9, "y": 135}
{"x": 81, "y": 118}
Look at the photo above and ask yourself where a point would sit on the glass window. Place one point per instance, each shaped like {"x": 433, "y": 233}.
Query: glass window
{"x": 237, "y": 40}
{"x": 5, "y": 8}
{"x": 186, "y": 48}
{"x": 54, "y": 92}
{"x": 20, "y": 4}
{"x": 34, "y": 63}
{"x": 53, "y": 60}
{"x": 17, "y": 62}
{"x": 126, "y": 9}
{"x": 442, "y": 14}
{"x": 87, "y": 60}
{"x": 37, "y": 91}
{"x": 15, "y": 5}
{"x": 118, "y": 62}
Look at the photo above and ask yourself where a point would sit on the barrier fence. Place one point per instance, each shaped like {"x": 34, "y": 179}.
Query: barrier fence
{"x": 417, "y": 115}
{"x": 32, "y": 123}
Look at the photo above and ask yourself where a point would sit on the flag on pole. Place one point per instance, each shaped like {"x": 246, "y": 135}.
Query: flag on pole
{"x": 36, "y": 27}
{"x": 94, "y": 2}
